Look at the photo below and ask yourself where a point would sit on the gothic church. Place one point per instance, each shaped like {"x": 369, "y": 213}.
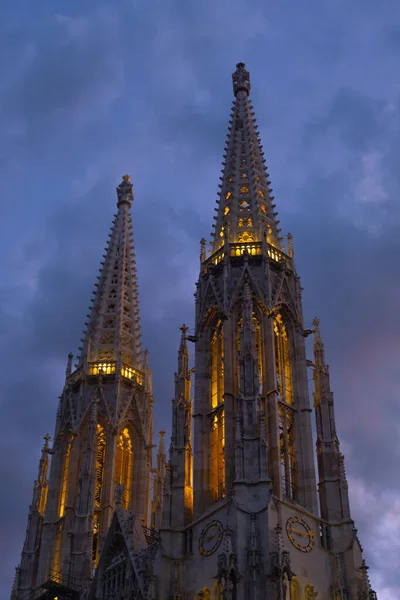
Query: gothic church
{"x": 237, "y": 511}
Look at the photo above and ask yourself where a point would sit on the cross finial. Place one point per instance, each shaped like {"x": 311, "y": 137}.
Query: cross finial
{"x": 124, "y": 191}
{"x": 241, "y": 79}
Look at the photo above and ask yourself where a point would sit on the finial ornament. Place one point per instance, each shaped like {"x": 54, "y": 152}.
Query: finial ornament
{"x": 241, "y": 79}
{"x": 124, "y": 191}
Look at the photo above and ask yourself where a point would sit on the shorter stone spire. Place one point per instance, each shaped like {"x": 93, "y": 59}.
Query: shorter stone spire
{"x": 113, "y": 325}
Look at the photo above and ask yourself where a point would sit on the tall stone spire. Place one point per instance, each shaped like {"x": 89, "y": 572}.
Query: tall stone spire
{"x": 113, "y": 326}
{"x": 245, "y": 209}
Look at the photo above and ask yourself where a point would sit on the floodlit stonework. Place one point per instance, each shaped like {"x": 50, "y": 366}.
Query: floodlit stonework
{"x": 236, "y": 512}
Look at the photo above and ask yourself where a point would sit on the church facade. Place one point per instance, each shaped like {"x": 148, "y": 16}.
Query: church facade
{"x": 238, "y": 510}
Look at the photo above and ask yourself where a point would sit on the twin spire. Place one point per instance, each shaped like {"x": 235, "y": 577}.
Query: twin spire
{"x": 113, "y": 327}
{"x": 245, "y": 213}
{"x": 246, "y": 209}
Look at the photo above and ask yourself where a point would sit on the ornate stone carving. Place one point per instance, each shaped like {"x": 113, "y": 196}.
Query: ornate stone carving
{"x": 228, "y": 573}
{"x": 280, "y": 573}
{"x": 124, "y": 190}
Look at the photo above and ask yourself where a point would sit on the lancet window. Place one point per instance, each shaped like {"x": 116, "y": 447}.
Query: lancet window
{"x": 100, "y": 463}
{"x": 217, "y": 365}
{"x": 283, "y": 366}
{"x": 64, "y": 481}
{"x": 123, "y": 466}
{"x": 287, "y": 414}
{"x": 217, "y": 424}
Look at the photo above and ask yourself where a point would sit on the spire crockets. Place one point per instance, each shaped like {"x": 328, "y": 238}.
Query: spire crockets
{"x": 245, "y": 208}
{"x": 113, "y": 328}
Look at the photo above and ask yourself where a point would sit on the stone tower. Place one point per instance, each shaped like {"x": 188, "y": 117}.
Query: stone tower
{"x": 251, "y": 523}
{"x": 236, "y": 512}
{"x": 103, "y": 434}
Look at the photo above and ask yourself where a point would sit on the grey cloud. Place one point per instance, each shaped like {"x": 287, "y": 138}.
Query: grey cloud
{"x": 168, "y": 130}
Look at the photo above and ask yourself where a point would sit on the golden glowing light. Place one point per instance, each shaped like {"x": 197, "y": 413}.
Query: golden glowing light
{"x": 64, "y": 482}
{"x": 226, "y": 210}
{"x": 130, "y": 373}
{"x": 123, "y": 465}
{"x": 246, "y": 237}
{"x": 102, "y": 368}
{"x": 244, "y": 190}
{"x": 228, "y": 195}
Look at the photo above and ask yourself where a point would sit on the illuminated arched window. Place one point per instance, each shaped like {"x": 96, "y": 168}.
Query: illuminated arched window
{"x": 64, "y": 481}
{"x": 100, "y": 459}
{"x": 217, "y": 425}
{"x": 286, "y": 413}
{"x": 217, "y": 366}
{"x": 282, "y": 357}
{"x": 123, "y": 465}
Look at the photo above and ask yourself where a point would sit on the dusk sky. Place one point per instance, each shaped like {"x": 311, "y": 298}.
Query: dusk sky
{"x": 92, "y": 90}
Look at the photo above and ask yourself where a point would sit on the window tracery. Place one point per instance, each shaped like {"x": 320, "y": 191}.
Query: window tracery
{"x": 123, "y": 466}
{"x": 217, "y": 425}
{"x": 64, "y": 481}
{"x": 100, "y": 463}
{"x": 282, "y": 357}
{"x": 286, "y": 412}
{"x": 246, "y": 236}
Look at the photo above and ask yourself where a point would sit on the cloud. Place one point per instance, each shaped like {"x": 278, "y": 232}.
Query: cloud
{"x": 90, "y": 93}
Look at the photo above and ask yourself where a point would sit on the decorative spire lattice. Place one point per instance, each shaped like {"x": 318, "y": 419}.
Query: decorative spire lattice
{"x": 113, "y": 327}
{"x": 246, "y": 208}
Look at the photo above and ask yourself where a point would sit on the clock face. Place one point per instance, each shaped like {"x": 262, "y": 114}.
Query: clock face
{"x": 300, "y": 534}
{"x": 210, "y": 538}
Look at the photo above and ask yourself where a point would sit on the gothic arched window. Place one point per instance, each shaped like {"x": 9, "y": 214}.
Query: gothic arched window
{"x": 123, "y": 465}
{"x": 282, "y": 357}
{"x": 217, "y": 365}
{"x": 217, "y": 425}
{"x": 64, "y": 481}
{"x": 286, "y": 412}
{"x": 100, "y": 458}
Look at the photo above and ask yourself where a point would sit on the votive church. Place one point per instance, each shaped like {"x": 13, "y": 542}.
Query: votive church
{"x": 234, "y": 508}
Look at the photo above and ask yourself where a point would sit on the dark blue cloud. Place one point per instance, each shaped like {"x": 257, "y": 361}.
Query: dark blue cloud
{"x": 90, "y": 92}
